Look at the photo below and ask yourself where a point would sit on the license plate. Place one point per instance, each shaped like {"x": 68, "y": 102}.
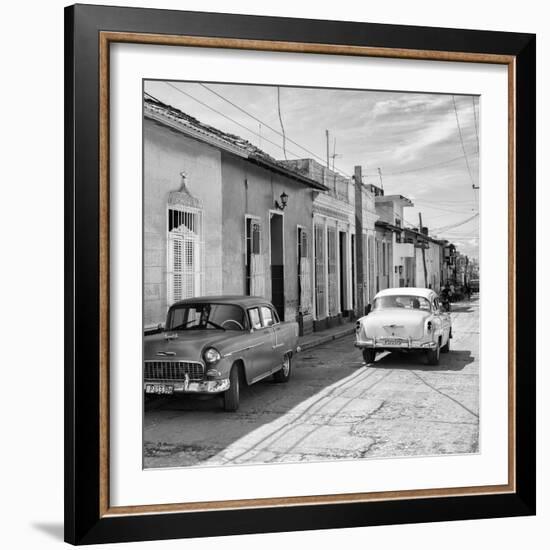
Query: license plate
{"x": 390, "y": 342}
{"x": 161, "y": 389}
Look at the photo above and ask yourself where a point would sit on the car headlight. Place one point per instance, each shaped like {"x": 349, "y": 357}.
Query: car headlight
{"x": 211, "y": 355}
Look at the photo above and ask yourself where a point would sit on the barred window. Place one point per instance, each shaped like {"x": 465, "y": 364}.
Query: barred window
{"x": 185, "y": 264}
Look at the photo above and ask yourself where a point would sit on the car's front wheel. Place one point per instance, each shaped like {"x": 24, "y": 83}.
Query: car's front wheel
{"x": 231, "y": 396}
{"x": 283, "y": 375}
{"x": 369, "y": 355}
{"x": 433, "y": 355}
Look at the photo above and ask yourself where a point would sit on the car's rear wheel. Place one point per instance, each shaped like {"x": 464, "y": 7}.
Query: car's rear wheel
{"x": 232, "y": 395}
{"x": 433, "y": 354}
{"x": 283, "y": 375}
{"x": 447, "y": 346}
{"x": 369, "y": 355}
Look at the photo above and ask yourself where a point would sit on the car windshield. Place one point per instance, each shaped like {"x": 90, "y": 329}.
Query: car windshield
{"x": 401, "y": 301}
{"x": 206, "y": 317}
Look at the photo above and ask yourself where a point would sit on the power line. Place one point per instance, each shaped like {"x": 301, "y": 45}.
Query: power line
{"x": 462, "y": 142}
{"x": 229, "y": 118}
{"x": 454, "y": 225}
{"x": 244, "y": 111}
{"x": 281, "y": 119}
{"x": 433, "y": 201}
{"x": 419, "y": 168}
{"x": 475, "y": 122}
{"x": 446, "y": 209}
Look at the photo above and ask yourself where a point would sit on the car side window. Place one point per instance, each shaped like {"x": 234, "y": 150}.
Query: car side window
{"x": 268, "y": 316}
{"x": 436, "y": 305}
{"x": 254, "y": 317}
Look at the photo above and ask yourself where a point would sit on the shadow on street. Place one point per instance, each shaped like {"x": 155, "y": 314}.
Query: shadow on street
{"x": 449, "y": 362}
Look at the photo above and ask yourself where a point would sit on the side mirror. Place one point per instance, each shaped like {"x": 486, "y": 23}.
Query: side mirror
{"x": 368, "y": 309}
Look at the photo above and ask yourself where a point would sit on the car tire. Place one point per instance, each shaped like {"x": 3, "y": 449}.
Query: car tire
{"x": 369, "y": 355}
{"x": 447, "y": 346}
{"x": 433, "y": 355}
{"x": 283, "y": 375}
{"x": 231, "y": 396}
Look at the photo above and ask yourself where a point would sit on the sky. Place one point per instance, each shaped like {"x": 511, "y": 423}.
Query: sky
{"x": 422, "y": 146}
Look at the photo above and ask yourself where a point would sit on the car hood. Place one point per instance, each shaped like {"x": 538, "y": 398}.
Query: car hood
{"x": 187, "y": 344}
{"x": 400, "y": 322}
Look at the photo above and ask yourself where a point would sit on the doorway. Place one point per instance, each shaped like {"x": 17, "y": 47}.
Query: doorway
{"x": 343, "y": 272}
{"x": 277, "y": 264}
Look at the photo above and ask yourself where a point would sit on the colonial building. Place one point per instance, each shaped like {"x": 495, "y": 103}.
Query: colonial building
{"x": 336, "y": 284}
{"x": 222, "y": 217}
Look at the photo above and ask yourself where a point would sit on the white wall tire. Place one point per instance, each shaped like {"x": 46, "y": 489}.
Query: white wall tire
{"x": 231, "y": 397}
{"x": 283, "y": 375}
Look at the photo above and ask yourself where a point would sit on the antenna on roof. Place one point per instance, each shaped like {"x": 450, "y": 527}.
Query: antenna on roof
{"x": 334, "y": 154}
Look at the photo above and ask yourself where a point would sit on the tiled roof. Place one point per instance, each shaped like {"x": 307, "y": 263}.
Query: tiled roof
{"x": 225, "y": 140}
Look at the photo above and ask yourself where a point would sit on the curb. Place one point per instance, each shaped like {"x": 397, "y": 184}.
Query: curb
{"x": 325, "y": 338}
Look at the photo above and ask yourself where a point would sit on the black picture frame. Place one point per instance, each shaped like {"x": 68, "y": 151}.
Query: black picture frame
{"x": 84, "y": 522}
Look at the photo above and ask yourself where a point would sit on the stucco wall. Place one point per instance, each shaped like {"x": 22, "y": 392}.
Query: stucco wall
{"x": 166, "y": 154}
{"x": 252, "y": 190}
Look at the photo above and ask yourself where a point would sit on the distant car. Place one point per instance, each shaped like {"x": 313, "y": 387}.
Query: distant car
{"x": 213, "y": 345}
{"x": 474, "y": 285}
{"x": 404, "y": 319}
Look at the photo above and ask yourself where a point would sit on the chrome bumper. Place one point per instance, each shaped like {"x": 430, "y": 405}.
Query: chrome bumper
{"x": 203, "y": 386}
{"x": 395, "y": 343}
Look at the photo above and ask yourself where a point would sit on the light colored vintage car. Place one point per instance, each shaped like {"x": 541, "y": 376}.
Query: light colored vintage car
{"x": 404, "y": 319}
{"x": 215, "y": 344}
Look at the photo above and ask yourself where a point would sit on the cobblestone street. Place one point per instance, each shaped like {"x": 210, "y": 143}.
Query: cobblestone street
{"x": 334, "y": 407}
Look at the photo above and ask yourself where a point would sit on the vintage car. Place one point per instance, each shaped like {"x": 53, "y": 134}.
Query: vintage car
{"x": 214, "y": 344}
{"x": 404, "y": 319}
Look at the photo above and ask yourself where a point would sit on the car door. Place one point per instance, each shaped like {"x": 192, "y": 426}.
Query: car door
{"x": 260, "y": 350}
{"x": 279, "y": 346}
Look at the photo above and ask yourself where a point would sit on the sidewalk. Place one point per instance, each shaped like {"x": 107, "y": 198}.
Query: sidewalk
{"x": 317, "y": 338}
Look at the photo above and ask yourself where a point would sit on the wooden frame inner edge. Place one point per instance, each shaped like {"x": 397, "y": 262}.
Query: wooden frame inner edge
{"x": 105, "y": 39}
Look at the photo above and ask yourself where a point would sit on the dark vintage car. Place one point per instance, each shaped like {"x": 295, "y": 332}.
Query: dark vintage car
{"x": 215, "y": 344}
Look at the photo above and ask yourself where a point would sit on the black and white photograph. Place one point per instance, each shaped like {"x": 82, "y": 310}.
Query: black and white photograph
{"x": 311, "y": 274}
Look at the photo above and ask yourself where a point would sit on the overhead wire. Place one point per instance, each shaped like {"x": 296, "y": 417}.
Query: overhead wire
{"x": 281, "y": 119}
{"x": 230, "y": 119}
{"x": 244, "y": 111}
{"x": 475, "y": 121}
{"x": 462, "y": 142}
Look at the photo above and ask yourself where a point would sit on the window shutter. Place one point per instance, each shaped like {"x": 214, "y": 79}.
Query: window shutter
{"x": 185, "y": 262}
{"x": 304, "y": 247}
{"x": 255, "y": 238}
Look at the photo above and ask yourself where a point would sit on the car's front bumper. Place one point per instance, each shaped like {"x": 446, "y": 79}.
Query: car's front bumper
{"x": 186, "y": 386}
{"x": 395, "y": 343}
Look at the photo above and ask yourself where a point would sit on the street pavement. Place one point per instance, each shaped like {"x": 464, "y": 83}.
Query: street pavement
{"x": 334, "y": 407}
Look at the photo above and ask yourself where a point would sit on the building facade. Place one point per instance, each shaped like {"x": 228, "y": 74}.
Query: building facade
{"x": 221, "y": 217}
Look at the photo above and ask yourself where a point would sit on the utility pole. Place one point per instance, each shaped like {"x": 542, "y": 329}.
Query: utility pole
{"x": 359, "y": 270}
{"x": 423, "y": 254}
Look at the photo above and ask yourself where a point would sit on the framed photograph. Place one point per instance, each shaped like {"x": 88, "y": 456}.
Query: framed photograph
{"x": 300, "y": 274}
